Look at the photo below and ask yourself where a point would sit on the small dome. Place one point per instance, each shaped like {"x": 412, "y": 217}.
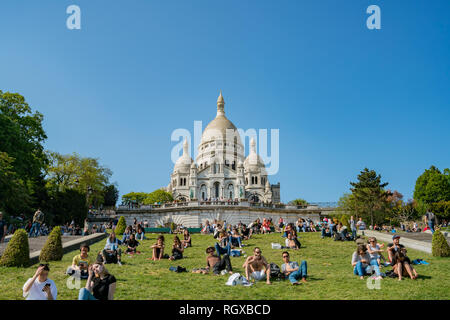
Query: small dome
{"x": 184, "y": 162}
{"x": 254, "y": 162}
{"x": 193, "y": 165}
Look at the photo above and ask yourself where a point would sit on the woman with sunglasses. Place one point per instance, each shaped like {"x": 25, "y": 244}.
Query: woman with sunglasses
{"x": 101, "y": 285}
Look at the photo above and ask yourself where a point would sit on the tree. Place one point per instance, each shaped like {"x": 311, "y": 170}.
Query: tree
{"x": 439, "y": 245}
{"x": 121, "y": 226}
{"x": 17, "y": 252}
{"x": 110, "y": 195}
{"x": 22, "y": 156}
{"x": 369, "y": 196}
{"x": 52, "y": 250}
{"x": 134, "y": 197}
{"x": 85, "y": 175}
{"x": 66, "y": 206}
{"x": 433, "y": 186}
{"x": 158, "y": 195}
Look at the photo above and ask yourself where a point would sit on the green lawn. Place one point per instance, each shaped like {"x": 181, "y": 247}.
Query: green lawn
{"x": 329, "y": 269}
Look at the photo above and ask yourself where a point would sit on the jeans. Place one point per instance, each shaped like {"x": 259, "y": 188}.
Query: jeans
{"x": 325, "y": 234}
{"x": 237, "y": 240}
{"x": 35, "y": 229}
{"x": 360, "y": 270}
{"x": 431, "y": 226}
{"x": 302, "y": 272}
{"x": 376, "y": 267}
{"x": 354, "y": 233}
{"x": 220, "y": 250}
{"x": 223, "y": 264}
{"x": 84, "y": 294}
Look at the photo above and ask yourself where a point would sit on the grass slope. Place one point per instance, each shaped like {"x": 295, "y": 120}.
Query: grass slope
{"x": 329, "y": 269}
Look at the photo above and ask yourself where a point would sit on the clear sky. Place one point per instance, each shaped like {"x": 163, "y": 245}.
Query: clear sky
{"x": 343, "y": 97}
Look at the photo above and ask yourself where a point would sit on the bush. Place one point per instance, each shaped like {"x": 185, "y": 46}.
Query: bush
{"x": 52, "y": 250}
{"x": 17, "y": 252}
{"x": 121, "y": 226}
{"x": 439, "y": 245}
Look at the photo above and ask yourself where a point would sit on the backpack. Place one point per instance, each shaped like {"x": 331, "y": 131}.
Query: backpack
{"x": 275, "y": 272}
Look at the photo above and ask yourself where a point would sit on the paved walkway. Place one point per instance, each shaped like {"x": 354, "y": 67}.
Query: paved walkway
{"x": 37, "y": 243}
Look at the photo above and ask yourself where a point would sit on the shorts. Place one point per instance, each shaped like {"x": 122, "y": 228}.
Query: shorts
{"x": 258, "y": 275}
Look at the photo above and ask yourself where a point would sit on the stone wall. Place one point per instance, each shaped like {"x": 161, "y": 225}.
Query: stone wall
{"x": 194, "y": 216}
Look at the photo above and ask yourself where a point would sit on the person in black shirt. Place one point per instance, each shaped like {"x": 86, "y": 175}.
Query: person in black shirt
{"x": 177, "y": 249}
{"x": 100, "y": 285}
{"x": 132, "y": 244}
{"x": 400, "y": 262}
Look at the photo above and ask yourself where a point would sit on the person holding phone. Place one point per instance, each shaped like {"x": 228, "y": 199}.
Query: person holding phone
{"x": 39, "y": 287}
{"x": 101, "y": 285}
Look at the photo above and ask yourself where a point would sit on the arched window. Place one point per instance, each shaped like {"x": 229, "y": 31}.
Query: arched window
{"x": 246, "y": 181}
{"x": 256, "y": 180}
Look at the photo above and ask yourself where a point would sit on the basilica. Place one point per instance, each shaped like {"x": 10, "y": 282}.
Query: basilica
{"x": 220, "y": 171}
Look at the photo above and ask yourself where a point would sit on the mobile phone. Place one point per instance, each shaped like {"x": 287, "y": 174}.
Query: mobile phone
{"x": 46, "y": 285}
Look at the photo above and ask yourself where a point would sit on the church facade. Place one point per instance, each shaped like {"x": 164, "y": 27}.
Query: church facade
{"x": 220, "y": 171}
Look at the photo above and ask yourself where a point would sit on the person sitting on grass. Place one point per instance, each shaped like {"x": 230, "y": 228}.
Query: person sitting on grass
{"x": 402, "y": 265}
{"x": 291, "y": 243}
{"x": 40, "y": 287}
{"x": 375, "y": 250}
{"x": 224, "y": 244}
{"x": 246, "y": 232}
{"x": 216, "y": 263}
{"x": 235, "y": 237}
{"x": 158, "y": 248}
{"x": 127, "y": 234}
{"x": 361, "y": 261}
{"x": 112, "y": 251}
{"x": 187, "y": 241}
{"x": 292, "y": 270}
{"x": 207, "y": 229}
{"x": 256, "y": 267}
{"x": 132, "y": 244}
{"x": 326, "y": 231}
{"x": 100, "y": 285}
{"x": 265, "y": 228}
{"x": 177, "y": 249}
{"x": 140, "y": 234}
{"x": 81, "y": 263}
{"x": 217, "y": 230}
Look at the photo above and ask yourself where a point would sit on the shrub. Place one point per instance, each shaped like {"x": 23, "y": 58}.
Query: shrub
{"x": 439, "y": 245}
{"x": 52, "y": 250}
{"x": 121, "y": 226}
{"x": 17, "y": 252}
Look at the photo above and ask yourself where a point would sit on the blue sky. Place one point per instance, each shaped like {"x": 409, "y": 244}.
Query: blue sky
{"x": 343, "y": 97}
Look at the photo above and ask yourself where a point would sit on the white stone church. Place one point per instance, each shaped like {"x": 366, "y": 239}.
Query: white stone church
{"x": 220, "y": 171}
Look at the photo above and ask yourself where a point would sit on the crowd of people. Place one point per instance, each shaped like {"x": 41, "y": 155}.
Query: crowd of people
{"x": 368, "y": 259}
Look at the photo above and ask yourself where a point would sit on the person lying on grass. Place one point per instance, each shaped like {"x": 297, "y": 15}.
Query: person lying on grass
{"x": 187, "y": 241}
{"x": 132, "y": 244}
{"x": 216, "y": 263}
{"x": 402, "y": 265}
{"x": 40, "y": 287}
{"x": 100, "y": 285}
{"x": 256, "y": 267}
{"x": 177, "y": 249}
{"x": 158, "y": 248}
{"x": 81, "y": 262}
{"x": 292, "y": 270}
{"x": 361, "y": 262}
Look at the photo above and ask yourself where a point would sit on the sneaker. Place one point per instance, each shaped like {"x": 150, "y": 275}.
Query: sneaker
{"x": 119, "y": 263}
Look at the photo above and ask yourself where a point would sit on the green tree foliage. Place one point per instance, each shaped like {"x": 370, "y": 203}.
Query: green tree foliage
{"x": 22, "y": 156}
{"x": 439, "y": 245}
{"x": 17, "y": 252}
{"x": 440, "y": 209}
{"x": 370, "y": 197}
{"x": 158, "y": 196}
{"x": 66, "y": 206}
{"x": 121, "y": 226}
{"x": 52, "y": 250}
{"x": 85, "y": 175}
{"x": 299, "y": 202}
{"x": 110, "y": 195}
{"x": 134, "y": 197}
{"x": 433, "y": 186}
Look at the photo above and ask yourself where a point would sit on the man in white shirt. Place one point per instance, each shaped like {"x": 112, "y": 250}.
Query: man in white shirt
{"x": 39, "y": 287}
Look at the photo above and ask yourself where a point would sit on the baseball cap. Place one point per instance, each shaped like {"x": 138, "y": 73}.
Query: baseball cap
{"x": 395, "y": 236}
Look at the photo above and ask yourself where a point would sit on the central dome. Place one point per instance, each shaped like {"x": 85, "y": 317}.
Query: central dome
{"x": 218, "y": 127}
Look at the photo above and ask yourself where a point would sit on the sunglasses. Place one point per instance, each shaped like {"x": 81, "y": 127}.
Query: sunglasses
{"x": 285, "y": 256}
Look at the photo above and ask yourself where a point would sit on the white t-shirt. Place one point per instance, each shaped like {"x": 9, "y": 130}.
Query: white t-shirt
{"x": 36, "y": 292}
